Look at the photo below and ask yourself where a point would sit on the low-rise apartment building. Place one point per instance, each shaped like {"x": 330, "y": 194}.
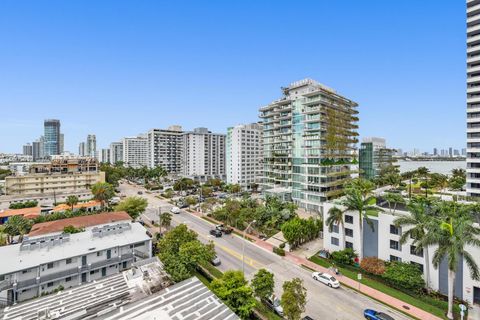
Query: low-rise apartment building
{"x": 41, "y": 264}
{"x": 383, "y": 241}
{"x": 61, "y": 175}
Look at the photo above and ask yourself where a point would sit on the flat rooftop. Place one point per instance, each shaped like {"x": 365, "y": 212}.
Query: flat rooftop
{"x": 14, "y": 259}
{"x": 143, "y": 292}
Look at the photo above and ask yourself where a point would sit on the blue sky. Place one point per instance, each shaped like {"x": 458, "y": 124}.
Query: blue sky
{"x": 118, "y": 68}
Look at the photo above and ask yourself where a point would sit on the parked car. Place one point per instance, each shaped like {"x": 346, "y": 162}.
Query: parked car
{"x": 274, "y": 303}
{"x": 216, "y": 261}
{"x": 175, "y": 210}
{"x": 141, "y": 222}
{"x": 307, "y": 318}
{"x": 139, "y": 192}
{"x": 327, "y": 279}
{"x": 371, "y": 314}
{"x": 148, "y": 233}
{"x": 183, "y": 206}
{"x": 215, "y": 232}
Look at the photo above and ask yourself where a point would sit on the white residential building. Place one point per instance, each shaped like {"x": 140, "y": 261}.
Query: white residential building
{"x": 116, "y": 152}
{"x": 91, "y": 145}
{"x": 203, "y": 154}
{"x": 309, "y": 144}
{"x": 244, "y": 155}
{"x": 383, "y": 241}
{"x": 473, "y": 98}
{"x": 103, "y": 156}
{"x": 165, "y": 149}
{"x": 135, "y": 151}
{"x": 39, "y": 265}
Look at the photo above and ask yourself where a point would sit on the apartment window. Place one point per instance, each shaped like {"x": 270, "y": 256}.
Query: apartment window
{"x": 50, "y": 265}
{"x": 67, "y": 279}
{"x": 50, "y": 284}
{"x": 334, "y": 241}
{"x": 395, "y": 259}
{"x": 136, "y": 245}
{"x": 348, "y": 219}
{"x": 25, "y": 271}
{"x": 68, "y": 261}
{"x": 394, "y": 230}
{"x": 395, "y": 245}
{"x": 335, "y": 228}
{"x": 99, "y": 253}
{"x": 413, "y": 251}
{"x": 349, "y": 232}
{"x": 348, "y": 245}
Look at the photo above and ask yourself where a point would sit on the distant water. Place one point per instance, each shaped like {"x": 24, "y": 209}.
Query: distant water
{"x": 443, "y": 167}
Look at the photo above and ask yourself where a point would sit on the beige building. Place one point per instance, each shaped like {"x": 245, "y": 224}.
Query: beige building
{"x": 60, "y": 176}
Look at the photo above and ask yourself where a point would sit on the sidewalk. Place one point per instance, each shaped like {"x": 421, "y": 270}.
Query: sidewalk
{"x": 373, "y": 293}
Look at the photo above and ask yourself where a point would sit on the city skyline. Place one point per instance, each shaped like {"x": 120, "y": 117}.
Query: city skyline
{"x": 144, "y": 74}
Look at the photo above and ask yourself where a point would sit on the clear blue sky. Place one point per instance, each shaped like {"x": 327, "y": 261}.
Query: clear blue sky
{"x": 118, "y": 68}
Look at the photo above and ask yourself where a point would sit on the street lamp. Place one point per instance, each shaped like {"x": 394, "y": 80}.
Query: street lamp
{"x": 243, "y": 246}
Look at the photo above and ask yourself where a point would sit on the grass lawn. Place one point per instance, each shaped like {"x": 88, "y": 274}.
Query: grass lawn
{"x": 429, "y": 304}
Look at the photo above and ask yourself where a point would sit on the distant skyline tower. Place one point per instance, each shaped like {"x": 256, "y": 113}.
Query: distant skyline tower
{"x": 52, "y": 137}
{"x": 62, "y": 143}
{"x": 435, "y": 151}
{"x": 91, "y": 147}
{"x": 81, "y": 149}
{"x": 28, "y": 150}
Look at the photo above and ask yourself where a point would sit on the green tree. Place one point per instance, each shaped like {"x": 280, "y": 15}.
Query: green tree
{"x": 191, "y": 201}
{"x": 409, "y": 175}
{"x": 453, "y": 233}
{"x": 233, "y": 289}
{"x": 294, "y": 299}
{"x": 165, "y": 220}
{"x": 393, "y": 199}
{"x": 72, "y": 229}
{"x": 102, "y": 191}
{"x": 181, "y": 252}
{"x": 134, "y": 206}
{"x": 336, "y": 217}
{"x": 206, "y": 191}
{"x": 71, "y": 201}
{"x": 423, "y": 172}
{"x": 415, "y": 225}
{"x": 254, "y": 186}
{"x": 263, "y": 284}
{"x": 358, "y": 198}
{"x": 457, "y": 183}
{"x": 16, "y": 226}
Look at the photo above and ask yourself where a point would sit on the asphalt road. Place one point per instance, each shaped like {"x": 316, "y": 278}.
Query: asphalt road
{"x": 322, "y": 302}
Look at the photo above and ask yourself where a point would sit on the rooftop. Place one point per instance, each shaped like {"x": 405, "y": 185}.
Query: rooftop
{"x": 78, "y": 222}
{"x": 142, "y": 292}
{"x": 16, "y": 258}
{"x": 88, "y": 204}
{"x": 26, "y": 212}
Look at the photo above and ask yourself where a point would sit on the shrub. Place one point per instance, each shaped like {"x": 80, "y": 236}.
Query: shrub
{"x": 373, "y": 265}
{"x": 22, "y": 205}
{"x": 344, "y": 257}
{"x": 282, "y": 245}
{"x": 405, "y": 276}
{"x": 279, "y": 251}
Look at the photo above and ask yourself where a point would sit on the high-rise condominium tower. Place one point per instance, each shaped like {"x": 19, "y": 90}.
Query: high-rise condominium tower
{"x": 135, "y": 151}
{"x": 52, "y": 137}
{"x": 244, "y": 154}
{"x": 91, "y": 146}
{"x": 116, "y": 152}
{"x": 165, "y": 149}
{"x": 473, "y": 98}
{"x": 203, "y": 154}
{"x": 309, "y": 144}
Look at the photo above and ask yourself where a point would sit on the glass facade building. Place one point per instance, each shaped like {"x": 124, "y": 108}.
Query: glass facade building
{"x": 309, "y": 144}
{"x": 51, "y": 136}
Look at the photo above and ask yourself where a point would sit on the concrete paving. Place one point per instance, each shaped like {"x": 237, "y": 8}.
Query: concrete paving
{"x": 322, "y": 301}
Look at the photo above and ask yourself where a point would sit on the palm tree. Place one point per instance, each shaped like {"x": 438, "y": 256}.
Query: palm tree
{"x": 358, "y": 197}
{"x": 16, "y": 226}
{"x": 165, "y": 220}
{"x": 393, "y": 199}
{"x": 335, "y": 217}
{"x": 453, "y": 233}
{"x": 423, "y": 173}
{"x": 102, "y": 192}
{"x": 71, "y": 201}
{"x": 418, "y": 221}
{"x": 409, "y": 175}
